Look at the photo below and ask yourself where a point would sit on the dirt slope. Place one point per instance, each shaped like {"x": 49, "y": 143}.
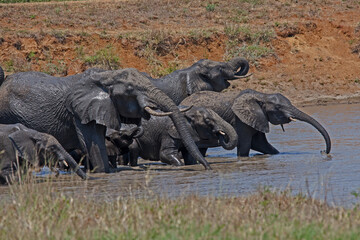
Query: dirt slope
{"x": 308, "y": 51}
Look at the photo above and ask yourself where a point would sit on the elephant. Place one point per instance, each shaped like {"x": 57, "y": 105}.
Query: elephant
{"x": 161, "y": 140}
{"x": 118, "y": 142}
{"x": 2, "y": 75}
{"x": 202, "y": 75}
{"x": 31, "y": 147}
{"x": 250, "y": 112}
{"x": 78, "y": 109}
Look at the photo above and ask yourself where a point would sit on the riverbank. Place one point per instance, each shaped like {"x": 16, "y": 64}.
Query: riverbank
{"x": 37, "y": 211}
{"x": 307, "y": 51}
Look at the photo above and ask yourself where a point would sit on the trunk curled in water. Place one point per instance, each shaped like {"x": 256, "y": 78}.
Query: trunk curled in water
{"x": 230, "y": 139}
{"x": 297, "y": 114}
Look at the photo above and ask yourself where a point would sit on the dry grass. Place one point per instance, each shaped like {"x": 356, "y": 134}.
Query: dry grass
{"x": 38, "y": 211}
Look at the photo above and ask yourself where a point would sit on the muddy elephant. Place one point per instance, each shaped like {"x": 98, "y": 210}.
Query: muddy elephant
{"x": 161, "y": 140}
{"x": 250, "y": 112}
{"x": 77, "y": 109}
{"x": 118, "y": 142}
{"x": 20, "y": 146}
{"x": 202, "y": 75}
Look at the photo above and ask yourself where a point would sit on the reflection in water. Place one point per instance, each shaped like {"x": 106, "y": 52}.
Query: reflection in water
{"x": 300, "y": 166}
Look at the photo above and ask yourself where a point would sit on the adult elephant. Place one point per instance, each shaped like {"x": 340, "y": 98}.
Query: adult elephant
{"x": 250, "y": 113}
{"x": 161, "y": 140}
{"x": 77, "y": 109}
{"x": 30, "y": 147}
{"x": 202, "y": 75}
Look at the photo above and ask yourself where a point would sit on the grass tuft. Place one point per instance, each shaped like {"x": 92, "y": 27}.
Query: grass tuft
{"x": 44, "y": 211}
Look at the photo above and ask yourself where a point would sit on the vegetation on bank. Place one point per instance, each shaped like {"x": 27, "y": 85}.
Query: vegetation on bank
{"x": 41, "y": 211}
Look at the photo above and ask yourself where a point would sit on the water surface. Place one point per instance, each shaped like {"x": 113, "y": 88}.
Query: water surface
{"x": 300, "y": 167}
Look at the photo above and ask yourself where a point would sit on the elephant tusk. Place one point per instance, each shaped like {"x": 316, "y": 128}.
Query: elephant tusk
{"x": 282, "y": 126}
{"x": 66, "y": 164}
{"x": 186, "y": 109}
{"x": 222, "y": 133}
{"x": 239, "y": 77}
{"x": 292, "y": 119}
{"x": 158, "y": 114}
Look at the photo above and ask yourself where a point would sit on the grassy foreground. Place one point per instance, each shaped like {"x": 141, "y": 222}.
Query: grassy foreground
{"x": 37, "y": 211}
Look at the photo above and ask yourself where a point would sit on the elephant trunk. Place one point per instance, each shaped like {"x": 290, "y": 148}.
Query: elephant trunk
{"x": 166, "y": 104}
{"x": 2, "y": 76}
{"x": 73, "y": 165}
{"x": 297, "y": 114}
{"x": 241, "y": 63}
{"x": 227, "y": 135}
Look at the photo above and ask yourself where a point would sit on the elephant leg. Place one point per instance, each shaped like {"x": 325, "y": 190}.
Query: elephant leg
{"x": 92, "y": 138}
{"x": 134, "y": 153}
{"x": 245, "y": 134}
{"x": 169, "y": 152}
{"x": 259, "y": 143}
{"x": 188, "y": 159}
{"x": 124, "y": 159}
{"x": 203, "y": 151}
{"x": 113, "y": 161}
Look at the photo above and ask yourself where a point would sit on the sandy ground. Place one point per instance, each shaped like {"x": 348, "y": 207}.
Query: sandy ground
{"x": 315, "y": 45}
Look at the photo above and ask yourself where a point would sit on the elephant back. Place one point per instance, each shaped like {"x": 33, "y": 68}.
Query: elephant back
{"x": 218, "y": 102}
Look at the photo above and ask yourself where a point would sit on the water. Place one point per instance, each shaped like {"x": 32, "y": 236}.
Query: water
{"x": 300, "y": 167}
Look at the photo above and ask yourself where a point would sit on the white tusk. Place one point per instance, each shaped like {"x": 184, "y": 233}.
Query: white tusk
{"x": 186, "y": 109}
{"x": 222, "y": 133}
{"x": 246, "y": 76}
{"x": 292, "y": 119}
{"x": 158, "y": 114}
{"x": 65, "y": 163}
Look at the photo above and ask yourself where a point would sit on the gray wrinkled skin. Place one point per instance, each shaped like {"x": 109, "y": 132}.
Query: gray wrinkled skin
{"x": 77, "y": 109}
{"x": 118, "y": 142}
{"x": 250, "y": 113}
{"x": 202, "y": 75}
{"x": 161, "y": 141}
{"x": 20, "y": 145}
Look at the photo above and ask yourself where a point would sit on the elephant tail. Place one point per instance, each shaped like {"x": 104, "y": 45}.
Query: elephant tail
{"x": 2, "y": 76}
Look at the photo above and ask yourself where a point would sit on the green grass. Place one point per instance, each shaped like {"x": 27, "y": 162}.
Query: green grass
{"x": 105, "y": 58}
{"x": 40, "y": 211}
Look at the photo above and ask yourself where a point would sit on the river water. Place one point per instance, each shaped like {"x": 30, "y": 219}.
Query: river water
{"x": 300, "y": 167}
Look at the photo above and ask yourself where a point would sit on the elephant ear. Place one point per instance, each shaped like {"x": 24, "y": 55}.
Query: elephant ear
{"x": 90, "y": 101}
{"x": 173, "y": 132}
{"x": 194, "y": 81}
{"x": 25, "y": 144}
{"x": 249, "y": 111}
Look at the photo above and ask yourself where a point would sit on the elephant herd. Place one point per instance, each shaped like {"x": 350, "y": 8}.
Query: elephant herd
{"x": 102, "y": 118}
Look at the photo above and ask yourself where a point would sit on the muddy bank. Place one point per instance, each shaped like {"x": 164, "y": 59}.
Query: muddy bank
{"x": 306, "y": 51}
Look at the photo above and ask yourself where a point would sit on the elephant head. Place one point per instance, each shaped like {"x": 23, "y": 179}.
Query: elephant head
{"x": 211, "y": 75}
{"x": 258, "y": 109}
{"x": 40, "y": 149}
{"x": 125, "y": 96}
{"x": 210, "y": 129}
{"x": 123, "y": 138}
{"x": 2, "y": 76}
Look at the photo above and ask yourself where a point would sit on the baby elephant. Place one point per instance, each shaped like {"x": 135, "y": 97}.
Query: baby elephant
{"x": 161, "y": 141}
{"x": 118, "y": 142}
{"x": 20, "y": 146}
